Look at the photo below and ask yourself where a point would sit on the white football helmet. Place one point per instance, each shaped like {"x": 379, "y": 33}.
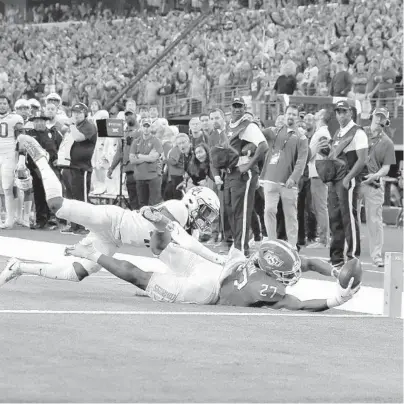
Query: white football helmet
{"x": 23, "y": 179}
{"x": 22, "y": 103}
{"x": 203, "y": 207}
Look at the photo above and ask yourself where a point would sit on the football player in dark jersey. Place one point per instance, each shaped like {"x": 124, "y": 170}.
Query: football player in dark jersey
{"x": 197, "y": 275}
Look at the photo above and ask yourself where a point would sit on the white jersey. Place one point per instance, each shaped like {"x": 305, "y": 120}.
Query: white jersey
{"x": 7, "y": 136}
{"x": 134, "y": 229}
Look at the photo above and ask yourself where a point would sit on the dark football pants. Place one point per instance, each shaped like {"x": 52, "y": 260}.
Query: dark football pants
{"x": 241, "y": 190}
{"x": 344, "y": 223}
{"x": 132, "y": 192}
{"x": 305, "y": 214}
{"x": 77, "y": 186}
{"x": 42, "y": 212}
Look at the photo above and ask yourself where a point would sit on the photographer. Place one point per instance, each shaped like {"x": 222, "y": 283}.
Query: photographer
{"x": 50, "y": 142}
{"x": 74, "y": 157}
{"x": 131, "y": 134}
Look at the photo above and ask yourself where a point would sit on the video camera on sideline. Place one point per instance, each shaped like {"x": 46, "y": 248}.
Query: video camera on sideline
{"x": 111, "y": 127}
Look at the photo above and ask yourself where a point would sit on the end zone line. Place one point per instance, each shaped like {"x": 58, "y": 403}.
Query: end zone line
{"x": 189, "y": 313}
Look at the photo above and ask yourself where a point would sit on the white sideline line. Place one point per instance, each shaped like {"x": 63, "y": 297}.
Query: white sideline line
{"x": 189, "y": 313}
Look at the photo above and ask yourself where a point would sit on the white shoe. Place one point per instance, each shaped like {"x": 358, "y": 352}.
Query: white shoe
{"x": 11, "y": 271}
{"x": 317, "y": 244}
{"x": 8, "y": 224}
{"x": 22, "y": 222}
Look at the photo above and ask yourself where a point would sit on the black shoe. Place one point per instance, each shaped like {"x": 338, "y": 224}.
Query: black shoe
{"x": 81, "y": 232}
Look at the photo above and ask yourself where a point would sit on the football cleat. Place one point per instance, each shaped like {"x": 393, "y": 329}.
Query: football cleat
{"x": 32, "y": 147}
{"x": 11, "y": 271}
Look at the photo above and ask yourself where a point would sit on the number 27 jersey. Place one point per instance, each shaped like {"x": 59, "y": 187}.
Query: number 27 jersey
{"x": 7, "y": 137}
{"x": 250, "y": 287}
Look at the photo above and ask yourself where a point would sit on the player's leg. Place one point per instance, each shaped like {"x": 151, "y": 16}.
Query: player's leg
{"x": 95, "y": 218}
{"x": 7, "y": 180}
{"x": 68, "y": 269}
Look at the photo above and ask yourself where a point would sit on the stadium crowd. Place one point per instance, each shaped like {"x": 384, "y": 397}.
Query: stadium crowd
{"x": 268, "y": 51}
{"x": 90, "y": 61}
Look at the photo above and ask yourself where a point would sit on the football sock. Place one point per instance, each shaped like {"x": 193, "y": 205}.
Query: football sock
{"x": 9, "y": 205}
{"x": 51, "y": 183}
{"x": 27, "y": 210}
{"x": 64, "y": 272}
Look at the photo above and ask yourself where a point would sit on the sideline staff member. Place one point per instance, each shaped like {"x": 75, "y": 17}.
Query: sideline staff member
{"x": 343, "y": 193}
{"x": 74, "y": 157}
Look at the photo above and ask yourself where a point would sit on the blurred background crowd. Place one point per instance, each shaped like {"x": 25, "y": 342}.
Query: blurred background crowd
{"x": 324, "y": 48}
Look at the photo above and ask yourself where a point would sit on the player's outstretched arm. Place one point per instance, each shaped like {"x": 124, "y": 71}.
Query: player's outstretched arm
{"x": 122, "y": 269}
{"x": 319, "y": 266}
{"x": 290, "y": 302}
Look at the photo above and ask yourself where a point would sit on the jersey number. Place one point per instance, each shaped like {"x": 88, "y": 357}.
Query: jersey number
{"x": 241, "y": 284}
{"x": 3, "y": 129}
{"x": 265, "y": 292}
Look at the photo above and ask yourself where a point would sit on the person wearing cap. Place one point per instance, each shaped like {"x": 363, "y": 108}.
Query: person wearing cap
{"x": 74, "y": 157}
{"x": 51, "y": 144}
{"x": 145, "y": 154}
{"x": 381, "y": 155}
{"x": 349, "y": 147}
{"x": 131, "y": 134}
{"x": 242, "y": 173}
{"x": 283, "y": 167}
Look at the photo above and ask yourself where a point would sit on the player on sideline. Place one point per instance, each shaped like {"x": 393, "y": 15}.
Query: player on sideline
{"x": 256, "y": 282}
{"x": 110, "y": 226}
{"x": 10, "y": 124}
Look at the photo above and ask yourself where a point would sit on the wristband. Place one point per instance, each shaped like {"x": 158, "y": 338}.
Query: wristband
{"x": 95, "y": 256}
{"x": 333, "y": 302}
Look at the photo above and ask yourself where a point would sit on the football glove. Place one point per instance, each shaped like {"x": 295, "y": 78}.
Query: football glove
{"x": 343, "y": 295}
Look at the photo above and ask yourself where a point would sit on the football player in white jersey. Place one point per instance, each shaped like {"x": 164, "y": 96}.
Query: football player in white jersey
{"x": 10, "y": 123}
{"x": 110, "y": 226}
{"x": 191, "y": 277}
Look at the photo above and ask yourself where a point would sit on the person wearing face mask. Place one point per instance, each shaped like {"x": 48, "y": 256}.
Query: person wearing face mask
{"x": 381, "y": 155}
{"x": 130, "y": 135}
{"x": 242, "y": 171}
{"x": 145, "y": 154}
{"x": 349, "y": 151}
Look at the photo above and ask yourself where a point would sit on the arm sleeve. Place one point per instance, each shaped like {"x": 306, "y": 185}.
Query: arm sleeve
{"x": 360, "y": 140}
{"x": 253, "y": 134}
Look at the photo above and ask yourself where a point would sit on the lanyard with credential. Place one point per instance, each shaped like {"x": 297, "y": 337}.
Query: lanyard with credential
{"x": 290, "y": 133}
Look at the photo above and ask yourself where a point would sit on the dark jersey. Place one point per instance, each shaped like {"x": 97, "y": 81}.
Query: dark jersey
{"x": 250, "y": 287}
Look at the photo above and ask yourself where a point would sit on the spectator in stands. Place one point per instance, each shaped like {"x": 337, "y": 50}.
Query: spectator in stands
{"x": 74, "y": 156}
{"x": 196, "y": 134}
{"x": 286, "y": 82}
{"x": 359, "y": 81}
{"x": 205, "y": 124}
{"x": 341, "y": 83}
{"x": 386, "y": 79}
{"x": 198, "y": 168}
{"x": 310, "y": 77}
{"x": 145, "y": 155}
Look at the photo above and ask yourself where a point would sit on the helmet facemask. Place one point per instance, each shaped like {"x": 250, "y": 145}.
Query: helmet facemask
{"x": 204, "y": 216}
{"x": 289, "y": 278}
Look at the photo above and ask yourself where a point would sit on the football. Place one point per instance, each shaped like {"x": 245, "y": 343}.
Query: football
{"x": 351, "y": 269}
{"x": 248, "y": 150}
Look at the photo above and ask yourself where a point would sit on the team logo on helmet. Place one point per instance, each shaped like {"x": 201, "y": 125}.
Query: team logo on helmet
{"x": 272, "y": 259}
